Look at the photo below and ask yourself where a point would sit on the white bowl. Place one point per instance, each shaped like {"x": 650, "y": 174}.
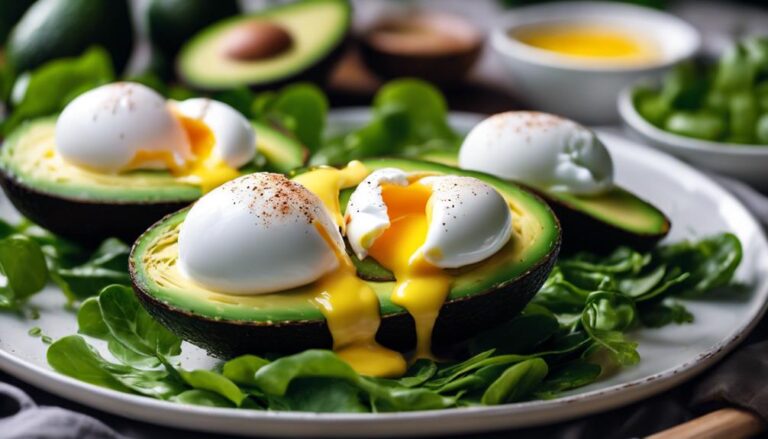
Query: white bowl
{"x": 583, "y": 89}
{"x": 748, "y": 163}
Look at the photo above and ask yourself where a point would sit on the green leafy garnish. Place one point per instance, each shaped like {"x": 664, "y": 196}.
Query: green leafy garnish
{"x": 49, "y": 88}
{"x": 579, "y": 323}
{"x": 23, "y": 265}
{"x": 409, "y": 119}
{"x": 300, "y": 108}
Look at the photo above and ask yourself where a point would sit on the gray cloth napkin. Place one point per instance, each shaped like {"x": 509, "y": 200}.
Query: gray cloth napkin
{"x": 740, "y": 380}
{"x": 21, "y": 418}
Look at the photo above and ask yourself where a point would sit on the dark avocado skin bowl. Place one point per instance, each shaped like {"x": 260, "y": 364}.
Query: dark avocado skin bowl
{"x": 584, "y": 231}
{"x": 74, "y": 218}
{"x": 485, "y": 306}
{"x": 458, "y": 320}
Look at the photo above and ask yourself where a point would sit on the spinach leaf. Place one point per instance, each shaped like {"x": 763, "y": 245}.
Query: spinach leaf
{"x": 568, "y": 376}
{"x": 90, "y": 321}
{"x": 23, "y": 264}
{"x": 409, "y": 118}
{"x": 385, "y": 395}
{"x": 108, "y": 265}
{"x": 711, "y": 262}
{"x": 516, "y": 383}
{"x": 275, "y": 377}
{"x": 202, "y": 397}
{"x": 425, "y": 107}
{"x": 418, "y": 373}
{"x": 520, "y": 335}
{"x": 324, "y": 395}
{"x": 622, "y": 260}
{"x": 605, "y": 317}
{"x": 213, "y": 382}
{"x": 73, "y": 357}
{"x": 661, "y": 313}
{"x": 443, "y": 378}
{"x": 242, "y": 370}
{"x": 387, "y": 398}
{"x": 132, "y": 326}
{"x": 127, "y": 356}
{"x": 302, "y": 108}
{"x": 53, "y": 85}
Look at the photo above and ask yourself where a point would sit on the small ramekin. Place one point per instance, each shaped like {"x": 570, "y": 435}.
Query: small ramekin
{"x": 585, "y": 89}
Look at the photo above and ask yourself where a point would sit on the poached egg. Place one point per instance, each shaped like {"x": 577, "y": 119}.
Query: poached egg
{"x": 126, "y": 126}
{"x": 539, "y": 149}
{"x": 264, "y": 233}
{"x": 417, "y": 226}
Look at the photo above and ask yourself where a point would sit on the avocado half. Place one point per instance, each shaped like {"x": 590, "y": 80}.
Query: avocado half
{"x": 302, "y": 42}
{"x": 483, "y": 295}
{"x": 596, "y": 223}
{"x": 89, "y": 207}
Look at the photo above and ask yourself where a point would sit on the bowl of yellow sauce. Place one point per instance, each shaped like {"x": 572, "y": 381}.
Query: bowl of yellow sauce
{"x": 574, "y": 58}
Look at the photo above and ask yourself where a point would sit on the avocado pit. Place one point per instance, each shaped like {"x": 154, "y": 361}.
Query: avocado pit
{"x": 256, "y": 40}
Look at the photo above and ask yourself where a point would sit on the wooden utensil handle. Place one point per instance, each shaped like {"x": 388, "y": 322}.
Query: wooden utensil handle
{"x": 727, "y": 423}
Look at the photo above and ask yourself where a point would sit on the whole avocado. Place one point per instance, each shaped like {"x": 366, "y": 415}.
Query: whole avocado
{"x": 62, "y": 28}
{"x": 10, "y": 12}
{"x": 172, "y": 22}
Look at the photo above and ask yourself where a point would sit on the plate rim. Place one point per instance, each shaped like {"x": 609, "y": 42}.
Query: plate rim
{"x": 286, "y": 423}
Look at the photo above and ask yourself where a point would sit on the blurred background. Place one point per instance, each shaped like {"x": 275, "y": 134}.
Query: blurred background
{"x": 689, "y": 77}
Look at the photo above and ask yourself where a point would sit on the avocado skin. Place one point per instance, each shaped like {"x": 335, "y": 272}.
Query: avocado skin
{"x": 458, "y": 320}
{"x": 172, "y": 22}
{"x": 74, "y": 219}
{"x": 582, "y": 231}
{"x": 63, "y": 28}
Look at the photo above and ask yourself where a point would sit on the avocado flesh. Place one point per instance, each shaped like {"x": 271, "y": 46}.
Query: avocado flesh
{"x": 482, "y": 295}
{"x": 282, "y": 152}
{"x": 603, "y": 222}
{"x": 596, "y": 222}
{"x": 63, "y": 198}
{"x": 318, "y": 29}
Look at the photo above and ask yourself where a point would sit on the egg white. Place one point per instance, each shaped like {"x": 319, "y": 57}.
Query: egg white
{"x": 258, "y": 234}
{"x": 103, "y": 129}
{"x": 541, "y": 150}
{"x": 469, "y": 220}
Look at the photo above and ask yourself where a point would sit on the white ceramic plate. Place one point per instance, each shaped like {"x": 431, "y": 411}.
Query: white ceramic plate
{"x": 697, "y": 207}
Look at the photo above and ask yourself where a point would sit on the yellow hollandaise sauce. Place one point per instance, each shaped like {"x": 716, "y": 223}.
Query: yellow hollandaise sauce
{"x": 205, "y": 169}
{"x": 350, "y": 306}
{"x": 589, "y": 41}
{"x": 421, "y": 288}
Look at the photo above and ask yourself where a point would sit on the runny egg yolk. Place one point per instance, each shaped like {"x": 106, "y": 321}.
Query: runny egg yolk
{"x": 350, "y": 306}
{"x": 204, "y": 168}
{"x": 421, "y": 287}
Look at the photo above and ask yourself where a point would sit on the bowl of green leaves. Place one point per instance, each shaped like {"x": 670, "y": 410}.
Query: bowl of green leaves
{"x": 714, "y": 115}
